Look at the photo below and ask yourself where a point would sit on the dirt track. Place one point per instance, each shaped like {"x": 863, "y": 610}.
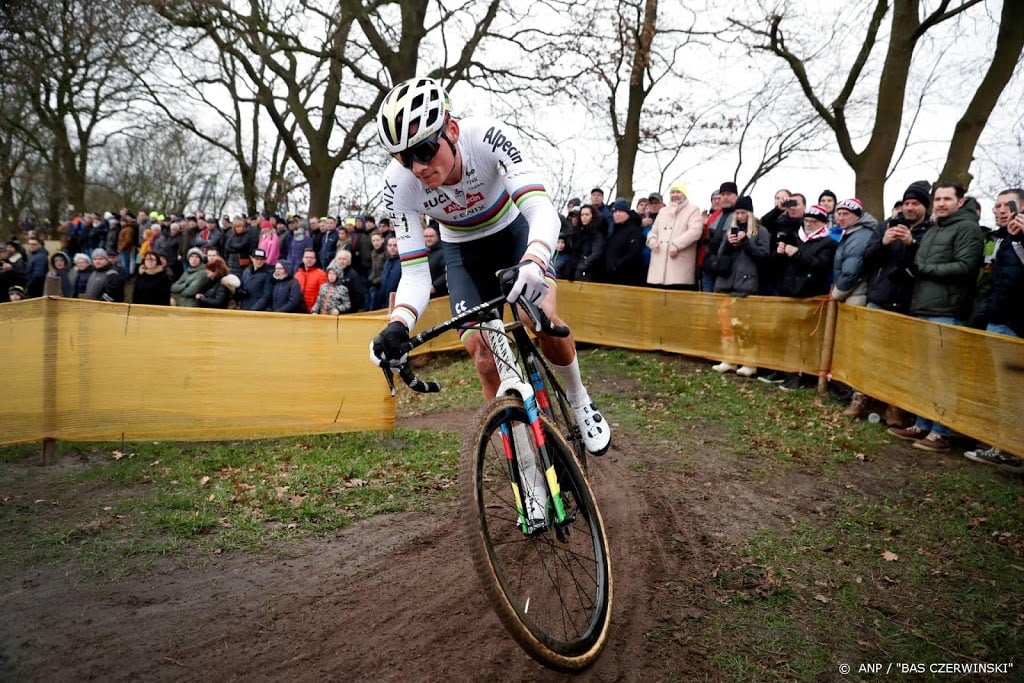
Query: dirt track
{"x": 395, "y": 598}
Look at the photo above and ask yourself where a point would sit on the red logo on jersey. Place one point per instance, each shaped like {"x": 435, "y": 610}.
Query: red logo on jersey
{"x": 473, "y": 198}
{"x": 452, "y": 208}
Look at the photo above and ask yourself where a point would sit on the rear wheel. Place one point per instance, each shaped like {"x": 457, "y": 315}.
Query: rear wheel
{"x": 551, "y": 586}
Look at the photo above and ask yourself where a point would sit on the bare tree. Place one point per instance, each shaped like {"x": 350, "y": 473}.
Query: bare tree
{"x": 318, "y": 72}
{"x": 908, "y": 25}
{"x": 72, "y": 58}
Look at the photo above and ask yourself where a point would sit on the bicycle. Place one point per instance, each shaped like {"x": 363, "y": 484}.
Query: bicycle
{"x": 535, "y": 534}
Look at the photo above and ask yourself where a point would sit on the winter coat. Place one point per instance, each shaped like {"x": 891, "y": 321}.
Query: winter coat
{"x": 848, "y": 274}
{"x": 808, "y": 272}
{"x": 296, "y": 247}
{"x": 328, "y": 246}
{"x": 67, "y": 290}
{"x": 673, "y": 242}
{"x": 947, "y": 264}
{"x": 35, "y": 272}
{"x": 890, "y": 280}
{"x": 356, "y": 289}
{"x": 331, "y": 298}
{"x": 388, "y": 282}
{"x": 737, "y": 267}
{"x": 257, "y": 289}
{"x": 717, "y": 225}
{"x": 377, "y": 260}
{"x": 271, "y": 244}
{"x": 105, "y": 284}
{"x": 438, "y": 274}
{"x": 77, "y": 281}
{"x": 287, "y": 296}
{"x": 309, "y": 282}
{"x": 193, "y": 281}
{"x": 783, "y": 228}
{"x": 589, "y": 244}
{"x": 1004, "y": 303}
{"x": 623, "y": 261}
{"x": 238, "y": 248}
{"x": 220, "y": 293}
{"x": 152, "y": 287}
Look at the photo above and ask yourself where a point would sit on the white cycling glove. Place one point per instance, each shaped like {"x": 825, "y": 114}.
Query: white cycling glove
{"x": 530, "y": 284}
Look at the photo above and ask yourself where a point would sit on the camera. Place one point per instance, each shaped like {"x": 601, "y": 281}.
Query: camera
{"x": 899, "y": 219}
{"x": 789, "y": 203}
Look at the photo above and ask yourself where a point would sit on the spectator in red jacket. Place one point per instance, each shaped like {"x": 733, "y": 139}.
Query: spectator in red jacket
{"x": 310, "y": 276}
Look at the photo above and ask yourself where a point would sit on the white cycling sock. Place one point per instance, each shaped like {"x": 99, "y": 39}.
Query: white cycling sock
{"x": 569, "y": 376}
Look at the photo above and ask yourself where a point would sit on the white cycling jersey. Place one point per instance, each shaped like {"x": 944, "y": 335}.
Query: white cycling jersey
{"x": 498, "y": 184}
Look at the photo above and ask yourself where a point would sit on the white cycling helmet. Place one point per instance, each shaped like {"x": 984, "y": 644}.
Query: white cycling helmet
{"x": 416, "y": 101}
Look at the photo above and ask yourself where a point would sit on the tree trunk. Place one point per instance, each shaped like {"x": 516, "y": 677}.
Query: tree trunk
{"x": 629, "y": 142}
{"x": 871, "y": 166}
{"x": 1009, "y": 44}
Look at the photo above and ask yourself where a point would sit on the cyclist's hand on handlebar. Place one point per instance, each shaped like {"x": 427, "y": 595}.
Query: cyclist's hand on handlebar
{"x": 386, "y": 348}
{"x": 530, "y": 283}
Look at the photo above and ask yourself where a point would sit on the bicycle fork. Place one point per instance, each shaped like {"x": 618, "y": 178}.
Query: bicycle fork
{"x": 526, "y": 477}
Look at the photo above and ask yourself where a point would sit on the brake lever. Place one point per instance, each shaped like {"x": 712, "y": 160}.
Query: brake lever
{"x": 390, "y": 377}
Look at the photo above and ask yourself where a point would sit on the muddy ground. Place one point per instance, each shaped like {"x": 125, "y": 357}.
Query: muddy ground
{"x": 395, "y": 598}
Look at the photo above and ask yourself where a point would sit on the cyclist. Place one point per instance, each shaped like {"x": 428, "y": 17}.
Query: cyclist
{"x": 475, "y": 179}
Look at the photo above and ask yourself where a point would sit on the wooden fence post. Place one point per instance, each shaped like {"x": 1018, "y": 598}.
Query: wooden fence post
{"x": 827, "y": 344}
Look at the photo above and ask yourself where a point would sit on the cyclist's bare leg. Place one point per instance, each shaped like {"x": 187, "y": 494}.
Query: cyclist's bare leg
{"x": 476, "y": 345}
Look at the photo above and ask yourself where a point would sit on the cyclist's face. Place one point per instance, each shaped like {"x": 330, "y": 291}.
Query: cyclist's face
{"x": 441, "y": 169}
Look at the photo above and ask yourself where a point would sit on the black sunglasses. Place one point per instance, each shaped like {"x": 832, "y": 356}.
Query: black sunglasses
{"x": 423, "y": 152}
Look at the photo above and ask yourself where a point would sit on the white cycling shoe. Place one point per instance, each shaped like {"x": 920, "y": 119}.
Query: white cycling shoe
{"x": 597, "y": 435}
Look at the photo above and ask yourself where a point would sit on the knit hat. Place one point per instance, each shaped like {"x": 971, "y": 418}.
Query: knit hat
{"x": 82, "y": 257}
{"x": 817, "y": 212}
{"x": 656, "y": 197}
{"x": 828, "y": 193}
{"x": 729, "y": 186}
{"x": 16, "y": 289}
{"x": 744, "y": 203}
{"x": 621, "y": 205}
{"x": 679, "y": 186}
{"x": 195, "y": 250}
{"x": 921, "y": 191}
{"x": 99, "y": 252}
{"x": 853, "y": 205}
{"x": 265, "y": 225}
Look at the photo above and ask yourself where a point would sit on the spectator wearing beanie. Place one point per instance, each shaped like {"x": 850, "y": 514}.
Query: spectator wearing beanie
{"x": 890, "y": 257}
{"x": 673, "y": 242}
{"x": 848, "y": 274}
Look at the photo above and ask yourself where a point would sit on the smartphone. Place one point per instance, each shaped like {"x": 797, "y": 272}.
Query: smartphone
{"x": 789, "y": 203}
{"x": 734, "y": 231}
{"x": 1012, "y": 206}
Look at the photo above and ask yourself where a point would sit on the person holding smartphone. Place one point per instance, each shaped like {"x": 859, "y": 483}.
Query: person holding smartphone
{"x": 744, "y": 247}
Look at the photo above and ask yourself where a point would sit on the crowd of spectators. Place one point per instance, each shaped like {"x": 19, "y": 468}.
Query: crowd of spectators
{"x": 931, "y": 258}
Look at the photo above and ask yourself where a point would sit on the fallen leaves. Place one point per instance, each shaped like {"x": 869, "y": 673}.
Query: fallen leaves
{"x": 890, "y": 556}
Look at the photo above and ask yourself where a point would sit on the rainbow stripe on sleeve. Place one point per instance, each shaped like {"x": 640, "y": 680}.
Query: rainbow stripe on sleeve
{"x": 528, "y": 192}
{"x": 413, "y": 258}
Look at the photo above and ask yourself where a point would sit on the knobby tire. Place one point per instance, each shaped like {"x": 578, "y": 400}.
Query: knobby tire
{"x": 552, "y": 590}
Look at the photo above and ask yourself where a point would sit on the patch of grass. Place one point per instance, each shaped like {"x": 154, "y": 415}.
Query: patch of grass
{"x": 159, "y": 498}
{"x": 681, "y": 397}
{"x": 929, "y": 577}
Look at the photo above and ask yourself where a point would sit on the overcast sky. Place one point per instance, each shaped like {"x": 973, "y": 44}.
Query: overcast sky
{"x": 956, "y": 64}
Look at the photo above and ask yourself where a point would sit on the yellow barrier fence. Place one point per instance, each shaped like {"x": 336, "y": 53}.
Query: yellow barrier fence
{"x": 90, "y": 370}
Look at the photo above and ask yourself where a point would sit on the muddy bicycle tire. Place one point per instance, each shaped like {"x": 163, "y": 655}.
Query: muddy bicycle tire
{"x": 552, "y": 589}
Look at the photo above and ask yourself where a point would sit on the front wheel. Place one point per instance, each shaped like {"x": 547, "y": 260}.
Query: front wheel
{"x": 550, "y": 582}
